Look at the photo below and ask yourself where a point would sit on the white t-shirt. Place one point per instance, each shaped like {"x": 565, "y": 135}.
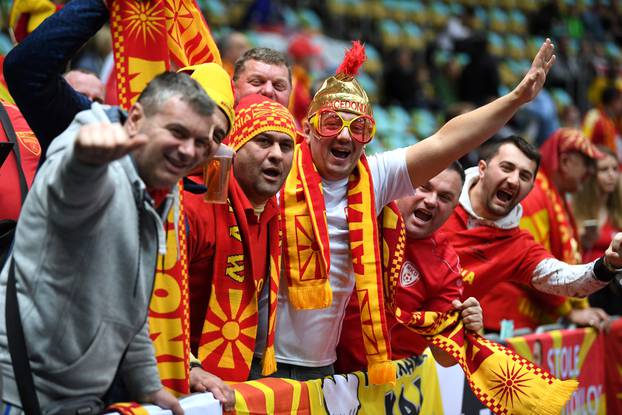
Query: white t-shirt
{"x": 310, "y": 337}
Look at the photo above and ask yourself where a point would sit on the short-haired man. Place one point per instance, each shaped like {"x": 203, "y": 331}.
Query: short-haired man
{"x": 567, "y": 159}
{"x": 265, "y": 72}
{"x": 234, "y": 254}
{"x": 88, "y": 238}
{"x": 492, "y": 248}
{"x": 329, "y": 203}
{"x": 430, "y": 278}
{"x": 87, "y": 83}
{"x": 232, "y": 47}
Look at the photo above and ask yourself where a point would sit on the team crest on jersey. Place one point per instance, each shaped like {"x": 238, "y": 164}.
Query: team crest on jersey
{"x": 409, "y": 274}
{"x": 29, "y": 141}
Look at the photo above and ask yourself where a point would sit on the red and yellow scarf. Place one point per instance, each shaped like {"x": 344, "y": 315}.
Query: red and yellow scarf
{"x": 307, "y": 265}
{"x": 169, "y": 315}
{"x": 228, "y": 337}
{"x": 502, "y": 380}
{"x": 549, "y": 219}
{"x": 149, "y": 37}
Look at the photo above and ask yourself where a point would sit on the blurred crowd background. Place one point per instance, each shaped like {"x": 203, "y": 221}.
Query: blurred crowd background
{"x": 428, "y": 60}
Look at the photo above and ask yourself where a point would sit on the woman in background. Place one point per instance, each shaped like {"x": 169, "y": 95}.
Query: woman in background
{"x": 598, "y": 212}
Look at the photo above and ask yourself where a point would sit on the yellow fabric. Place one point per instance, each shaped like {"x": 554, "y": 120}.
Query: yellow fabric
{"x": 4, "y": 95}
{"x": 499, "y": 378}
{"x": 39, "y": 10}
{"x": 169, "y": 312}
{"x": 307, "y": 254}
{"x": 217, "y": 83}
{"x": 416, "y": 390}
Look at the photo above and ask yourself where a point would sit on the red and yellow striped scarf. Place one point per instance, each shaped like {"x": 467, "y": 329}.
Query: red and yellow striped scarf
{"x": 551, "y": 222}
{"x": 228, "y": 337}
{"x": 169, "y": 315}
{"x": 307, "y": 264}
{"x": 150, "y": 36}
{"x": 502, "y": 380}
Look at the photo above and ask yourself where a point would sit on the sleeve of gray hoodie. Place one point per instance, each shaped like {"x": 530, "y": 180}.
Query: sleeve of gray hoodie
{"x": 556, "y": 277}
{"x": 75, "y": 191}
{"x": 139, "y": 368}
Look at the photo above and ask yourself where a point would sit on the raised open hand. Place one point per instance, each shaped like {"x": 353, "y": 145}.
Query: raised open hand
{"x": 533, "y": 81}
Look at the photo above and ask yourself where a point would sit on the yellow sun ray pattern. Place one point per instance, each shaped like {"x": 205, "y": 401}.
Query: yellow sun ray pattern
{"x": 144, "y": 20}
{"x": 510, "y": 383}
{"x": 229, "y": 330}
{"x": 189, "y": 39}
{"x": 308, "y": 253}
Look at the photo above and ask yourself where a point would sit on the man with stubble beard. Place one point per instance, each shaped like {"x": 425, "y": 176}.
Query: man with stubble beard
{"x": 492, "y": 248}
{"x": 234, "y": 253}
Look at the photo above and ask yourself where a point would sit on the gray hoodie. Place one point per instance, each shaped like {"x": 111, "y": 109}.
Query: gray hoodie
{"x": 85, "y": 253}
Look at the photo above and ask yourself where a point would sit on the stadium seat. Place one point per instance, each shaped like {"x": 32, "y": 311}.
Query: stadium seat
{"x": 424, "y": 123}
{"x": 390, "y": 33}
{"x": 414, "y": 36}
{"x": 498, "y": 20}
{"x": 515, "y": 46}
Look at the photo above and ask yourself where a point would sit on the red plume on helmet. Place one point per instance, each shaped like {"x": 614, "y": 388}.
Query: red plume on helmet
{"x": 352, "y": 61}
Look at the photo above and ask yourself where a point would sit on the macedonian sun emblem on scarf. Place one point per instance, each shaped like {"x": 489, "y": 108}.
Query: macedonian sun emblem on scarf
{"x": 510, "y": 383}
{"x": 230, "y": 330}
{"x": 145, "y": 20}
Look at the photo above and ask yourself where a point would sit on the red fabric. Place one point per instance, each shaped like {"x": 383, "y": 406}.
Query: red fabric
{"x": 438, "y": 284}
{"x": 30, "y": 152}
{"x": 564, "y": 140}
{"x": 605, "y": 236}
{"x": 256, "y": 114}
{"x": 604, "y": 132}
{"x": 301, "y": 94}
{"x": 558, "y": 233}
{"x": 613, "y": 367}
{"x": 202, "y": 218}
{"x": 548, "y": 218}
{"x": 492, "y": 255}
{"x": 158, "y": 195}
{"x": 525, "y": 306}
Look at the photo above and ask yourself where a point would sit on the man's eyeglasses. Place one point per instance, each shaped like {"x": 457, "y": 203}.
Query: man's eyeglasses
{"x": 329, "y": 123}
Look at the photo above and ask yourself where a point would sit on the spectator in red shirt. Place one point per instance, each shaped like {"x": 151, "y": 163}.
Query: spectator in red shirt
{"x": 233, "y": 251}
{"x": 430, "y": 277}
{"x": 492, "y": 249}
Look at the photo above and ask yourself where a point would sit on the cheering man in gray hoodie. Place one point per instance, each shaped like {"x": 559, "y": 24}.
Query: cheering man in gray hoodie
{"x": 87, "y": 241}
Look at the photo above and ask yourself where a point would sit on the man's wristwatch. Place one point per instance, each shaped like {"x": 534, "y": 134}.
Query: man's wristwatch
{"x": 195, "y": 363}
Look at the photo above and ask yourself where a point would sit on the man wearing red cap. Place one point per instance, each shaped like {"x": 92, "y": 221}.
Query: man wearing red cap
{"x": 492, "y": 249}
{"x": 234, "y": 253}
{"x": 329, "y": 206}
{"x": 567, "y": 158}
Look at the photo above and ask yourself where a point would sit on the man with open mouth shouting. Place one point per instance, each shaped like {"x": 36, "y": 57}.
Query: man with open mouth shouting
{"x": 567, "y": 159}
{"x": 493, "y": 249}
{"x": 429, "y": 274}
{"x": 329, "y": 205}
